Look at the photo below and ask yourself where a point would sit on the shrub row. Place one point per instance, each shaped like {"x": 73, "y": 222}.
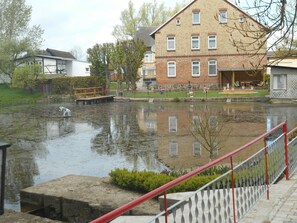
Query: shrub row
{"x": 145, "y": 181}
{"x": 64, "y": 85}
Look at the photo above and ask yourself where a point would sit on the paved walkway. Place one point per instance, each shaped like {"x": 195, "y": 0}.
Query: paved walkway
{"x": 281, "y": 206}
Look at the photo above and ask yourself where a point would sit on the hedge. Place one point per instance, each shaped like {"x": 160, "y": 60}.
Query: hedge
{"x": 145, "y": 181}
{"x": 64, "y": 85}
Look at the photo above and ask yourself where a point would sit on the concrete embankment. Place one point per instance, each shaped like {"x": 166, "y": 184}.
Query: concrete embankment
{"x": 80, "y": 199}
{"x": 19, "y": 217}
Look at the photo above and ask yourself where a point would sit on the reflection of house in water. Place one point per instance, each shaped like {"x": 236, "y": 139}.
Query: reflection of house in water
{"x": 178, "y": 149}
{"x": 65, "y": 126}
{"x": 147, "y": 120}
{"x": 276, "y": 115}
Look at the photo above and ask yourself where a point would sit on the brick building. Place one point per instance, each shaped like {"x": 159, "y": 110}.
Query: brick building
{"x": 195, "y": 45}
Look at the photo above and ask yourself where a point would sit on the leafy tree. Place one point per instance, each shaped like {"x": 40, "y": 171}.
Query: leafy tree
{"x": 94, "y": 57}
{"x": 133, "y": 51}
{"x": 129, "y": 21}
{"x": 99, "y": 56}
{"x": 150, "y": 14}
{"x": 117, "y": 62}
{"x": 16, "y": 37}
{"x": 28, "y": 77}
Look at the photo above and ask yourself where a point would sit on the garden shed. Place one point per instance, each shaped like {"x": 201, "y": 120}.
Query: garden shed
{"x": 283, "y": 82}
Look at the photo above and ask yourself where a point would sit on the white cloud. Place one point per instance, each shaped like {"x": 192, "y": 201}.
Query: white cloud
{"x": 79, "y": 23}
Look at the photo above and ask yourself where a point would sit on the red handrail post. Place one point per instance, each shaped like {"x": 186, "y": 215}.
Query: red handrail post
{"x": 285, "y": 131}
{"x": 233, "y": 189}
{"x": 165, "y": 207}
{"x": 266, "y": 168}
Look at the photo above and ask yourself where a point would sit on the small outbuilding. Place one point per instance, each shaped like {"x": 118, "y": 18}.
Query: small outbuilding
{"x": 56, "y": 62}
{"x": 283, "y": 82}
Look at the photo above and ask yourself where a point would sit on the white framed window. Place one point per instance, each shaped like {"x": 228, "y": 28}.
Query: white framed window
{"x": 196, "y": 149}
{"x": 195, "y": 68}
{"x": 223, "y": 16}
{"x": 172, "y": 121}
{"x": 212, "y": 42}
{"x": 171, "y": 69}
{"x": 148, "y": 57}
{"x": 214, "y": 149}
{"x": 171, "y": 43}
{"x": 173, "y": 148}
{"x": 196, "y": 120}
{"x": 212, "y": 68}
{"x": 143, "y": 71}
{"x": 196, "y": 18}
{"x": 148, "y": 71}
{"x": 213, "y": 123}
{"x": 279, "y": 81}
{"x": 195, "y": 42}
{"x": 151, "y": 126}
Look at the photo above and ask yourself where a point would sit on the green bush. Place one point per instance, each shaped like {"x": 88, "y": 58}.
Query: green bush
{"x": 64, "y": 85}
{"x": 145, "y": 181}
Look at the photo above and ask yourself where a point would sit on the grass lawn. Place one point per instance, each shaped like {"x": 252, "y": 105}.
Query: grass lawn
{"x": 16, "y": 96}
{"x": 181, "y": 94}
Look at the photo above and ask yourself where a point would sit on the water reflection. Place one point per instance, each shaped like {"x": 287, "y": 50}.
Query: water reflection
{"x": 99, "y": 138}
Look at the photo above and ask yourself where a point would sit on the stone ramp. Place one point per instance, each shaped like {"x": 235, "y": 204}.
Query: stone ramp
{"x": 281, "y": 206}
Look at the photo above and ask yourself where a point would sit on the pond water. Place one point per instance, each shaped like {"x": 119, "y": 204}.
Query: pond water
{"x": 135, "y": 135}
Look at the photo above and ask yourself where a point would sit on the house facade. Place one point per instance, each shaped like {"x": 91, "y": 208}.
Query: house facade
{"x": 148, "y": 69}
{"x": 195, "y": 46}
{"x": 61, "y": 63}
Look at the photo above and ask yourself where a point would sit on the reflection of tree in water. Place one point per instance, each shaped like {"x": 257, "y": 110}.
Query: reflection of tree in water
{"x": 121, "y": 135}
{"x": 21, "y": 167}
{"x": 209, "y": 130}
{"x": 24, "y": 128}
{"x": 25, "y": 136}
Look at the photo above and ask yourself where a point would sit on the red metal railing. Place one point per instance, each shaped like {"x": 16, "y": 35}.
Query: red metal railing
{"x": 234, "y": 183}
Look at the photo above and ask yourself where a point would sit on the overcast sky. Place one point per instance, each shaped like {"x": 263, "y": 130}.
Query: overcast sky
{"x": 69, "y": 24}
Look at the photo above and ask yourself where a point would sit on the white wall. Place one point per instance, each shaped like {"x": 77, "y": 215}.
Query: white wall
{"x": 49, "y": 66}
{"x": 80, "y": 68}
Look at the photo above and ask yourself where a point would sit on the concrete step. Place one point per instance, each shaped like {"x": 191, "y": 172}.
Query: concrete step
{"x": 130, "y": 219}
{"x": 171, "y": 199}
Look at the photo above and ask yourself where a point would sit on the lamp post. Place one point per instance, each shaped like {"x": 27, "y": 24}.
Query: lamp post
{"x": 3, "y": 147}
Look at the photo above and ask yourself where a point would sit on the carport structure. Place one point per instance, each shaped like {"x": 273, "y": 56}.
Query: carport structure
{"x": 241, "y": 77}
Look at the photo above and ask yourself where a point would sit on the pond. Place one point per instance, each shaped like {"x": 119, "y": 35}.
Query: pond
{"x": 140, "y": 136}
